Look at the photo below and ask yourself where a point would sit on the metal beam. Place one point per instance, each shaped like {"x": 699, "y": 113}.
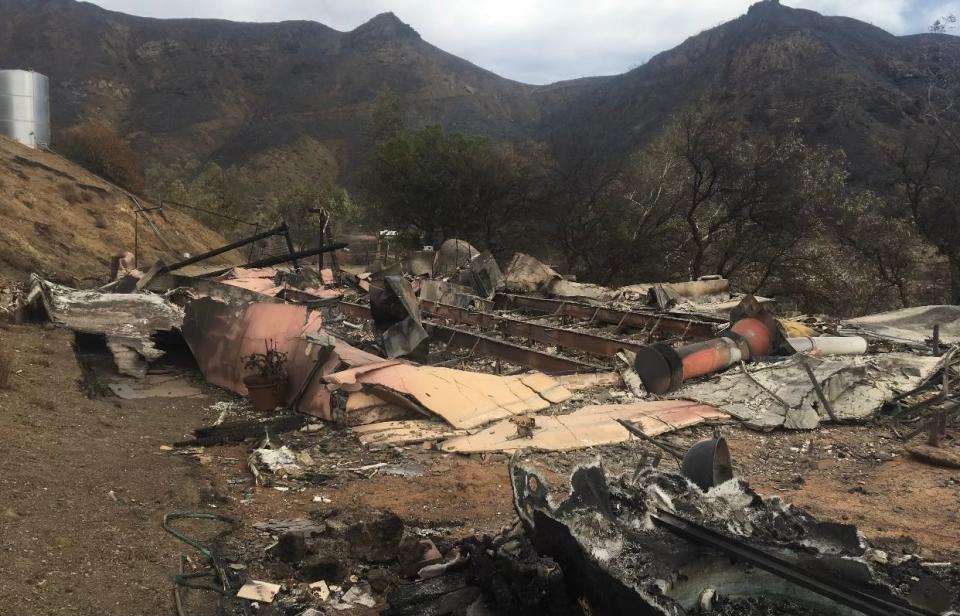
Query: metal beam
{"x": 268, "y": 261}
{"x": 355, "y": 311}
{"x": 865, "y": 600}
{"x": 485, "y": 345}
{"x": 227, "y": 248}
{"x": 478, "y": 343}
{"x": 603, "y": 346}
{"x": 650, "y": 323}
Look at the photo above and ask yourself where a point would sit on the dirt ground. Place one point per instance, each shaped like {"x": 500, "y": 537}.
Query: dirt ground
{"x": 85, "y": 485}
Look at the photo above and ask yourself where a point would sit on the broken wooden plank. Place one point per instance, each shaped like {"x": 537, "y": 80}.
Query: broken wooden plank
{"x": 593, "y": 380}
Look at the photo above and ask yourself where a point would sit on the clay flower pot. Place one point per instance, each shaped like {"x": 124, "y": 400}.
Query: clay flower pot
{"x": 266, "y": 395}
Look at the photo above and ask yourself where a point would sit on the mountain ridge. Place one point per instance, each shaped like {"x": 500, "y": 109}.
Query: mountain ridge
{"x": 240, "y": 93}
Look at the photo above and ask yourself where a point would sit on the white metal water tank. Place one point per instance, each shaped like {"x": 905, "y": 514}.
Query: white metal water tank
{"x": 25, "y": 107}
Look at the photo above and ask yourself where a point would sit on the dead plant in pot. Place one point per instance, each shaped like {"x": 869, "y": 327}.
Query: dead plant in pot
{"x": 266, "y": 378}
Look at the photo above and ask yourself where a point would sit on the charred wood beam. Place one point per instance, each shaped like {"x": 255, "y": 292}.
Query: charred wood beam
{"x": 238, "y": 431}
{"x": 603, "y": 346}
{"x": 485, "y": 345}
{"x": 650, "y": 323}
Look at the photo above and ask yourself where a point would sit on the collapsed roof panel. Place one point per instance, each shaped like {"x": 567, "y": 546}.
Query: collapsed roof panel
{"x": 588, "y": 426}
{"x": 463, "y": 399}
{"x": 132, "y": 315}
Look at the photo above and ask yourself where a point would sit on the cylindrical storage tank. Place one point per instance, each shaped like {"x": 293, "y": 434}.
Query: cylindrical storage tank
{"x": 25, "y": 107}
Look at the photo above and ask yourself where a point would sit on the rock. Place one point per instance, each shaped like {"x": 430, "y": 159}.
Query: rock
{"x": 380, "y": 580}
{"x": 304, "y": 458}
{"x": 323, "y": 567}
{"x": 938, "y": 456}
{"x": 358, "y": 595}
{"x": 415, "y": 552}
{"x": 303, "y": 526}
{"x": 321, "y": 590}
{"x": 291, "y": 547}
{"x": 376, "y": 538}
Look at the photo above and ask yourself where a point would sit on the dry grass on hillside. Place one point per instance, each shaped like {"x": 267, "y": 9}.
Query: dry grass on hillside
{"x": 65, "y": 223}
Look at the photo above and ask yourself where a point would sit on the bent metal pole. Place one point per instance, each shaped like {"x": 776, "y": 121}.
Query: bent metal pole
{"x": 282, "y": 228}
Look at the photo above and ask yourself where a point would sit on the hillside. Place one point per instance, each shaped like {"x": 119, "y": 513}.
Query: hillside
{"x": 291, "y": 101}
{"x": 241, "y": 92}
{"x": 64, "y": 223}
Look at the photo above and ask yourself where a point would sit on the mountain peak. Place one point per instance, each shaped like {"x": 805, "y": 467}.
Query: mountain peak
{"x": 383, "y": 27}
{"x": 766, "y": 7}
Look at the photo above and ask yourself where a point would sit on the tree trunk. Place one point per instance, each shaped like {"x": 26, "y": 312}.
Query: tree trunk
{"x": 955, "y": 279}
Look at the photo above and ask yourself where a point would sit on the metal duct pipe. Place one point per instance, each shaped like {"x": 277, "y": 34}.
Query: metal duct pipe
{"x": 757, "y": 334}
{"x": 709, "y": 356}
{"x": 829, "y": 345}
{"x": 663, "y": 369}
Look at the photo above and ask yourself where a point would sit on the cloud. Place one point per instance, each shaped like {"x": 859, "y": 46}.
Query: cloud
{"x": 542, "y": 41}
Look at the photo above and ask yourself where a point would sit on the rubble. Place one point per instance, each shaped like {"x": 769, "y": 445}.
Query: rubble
{"x": 127, "y": 321}
{"x": 655, "y": 543}
{"x": 256, "y": 590}
{"x": 452, "y": 255}
{"x": 402, "y": 366}
{"x": 779, "y": 393}
{"x": 396, "y": 315}
{"x": 525, "y": 274}
{"x": 220, "y": 334}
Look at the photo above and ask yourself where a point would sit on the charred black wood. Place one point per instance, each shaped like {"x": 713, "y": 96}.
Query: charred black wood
{"x": 238, "y": 431}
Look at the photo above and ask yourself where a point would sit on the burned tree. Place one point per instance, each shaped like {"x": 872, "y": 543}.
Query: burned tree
{"x": 926, "y": 162}
{"x": 446, "y": 184}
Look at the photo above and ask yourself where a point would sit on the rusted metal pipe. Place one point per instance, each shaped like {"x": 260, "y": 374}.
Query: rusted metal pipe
{"x": 708, "y": 357}
{"x": 757, "y": 334}
{"x": 662, "y": 368}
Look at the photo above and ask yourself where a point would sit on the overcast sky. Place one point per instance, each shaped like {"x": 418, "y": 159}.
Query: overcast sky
{"x": 541, "y": 41}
